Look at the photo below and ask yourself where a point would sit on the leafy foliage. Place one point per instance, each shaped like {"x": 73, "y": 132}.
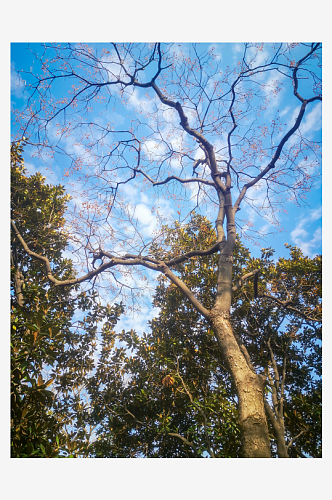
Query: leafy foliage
{"x": 80, "y": 389}
{"x": 40, "y": 314}
{"x": 283, "y": 326}
{"x": 206, "y": 133}
{"x": 48, "y": 413}
{"x": 175, "y": 398}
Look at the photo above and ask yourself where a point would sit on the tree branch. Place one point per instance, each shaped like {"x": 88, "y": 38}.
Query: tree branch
{"x": 18, "y": 281}
{"x": 174, "y": 177}
{"x": 198, "y": 136}
{"x": 184, "y": 440}
{"x": 278, "y": 431}
{"x": 283, "y": 141}
{"x": 243, "y": 278}
{"x": 294, "y": 438}
{"x": 274, "y": 366}
{"x": 127, "y": 260}
{"x": 287, "y": 305}
{"x": 274, "y": 159}
{"x": 193, "y": 253}
{"x": 199, "y": 410}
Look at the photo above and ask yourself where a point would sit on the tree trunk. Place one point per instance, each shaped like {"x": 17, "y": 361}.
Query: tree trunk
{"x": 278, "y": 431}
{"x": 281, "y": 445}
{"x": 249, "y": 388}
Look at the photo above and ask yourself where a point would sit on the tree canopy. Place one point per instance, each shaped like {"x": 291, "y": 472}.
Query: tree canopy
{"x": 178, "y": 399}
{"x": 205, "y": 136}
{"x": 52, "y": 352}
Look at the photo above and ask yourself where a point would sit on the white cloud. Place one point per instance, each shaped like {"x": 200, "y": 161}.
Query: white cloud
{"x": 285, "y": 111}
{"x": 140, "y": 104}
{"x": 137, "y": 321}
{"x": 271, "y": 85}
{"x": 146, "y": 210}
{"x": 237, "y": 48}
{"x": 69, "y": 143}
{"x": 153, "y": 148}
{"x": 264, "y": 229}
{"x": 145, "y": 217}
{"x": 302, "y": 236}
{"x": 257, "y": 57}
{"x": 316, "y": 214}
{"x": 176, "y": 164}
{"x": 312, "y": 121}
{"x": 130, "y": 191}
{"x": 257, "y": 196}
{"x": 217, "y": 54}
{"x": 114, "y": 118}
{"x": 16, "y": 84}
{"x": 149, "y": 220}
{"x": 180, "y": 50}
{"x": 51, "y": 177}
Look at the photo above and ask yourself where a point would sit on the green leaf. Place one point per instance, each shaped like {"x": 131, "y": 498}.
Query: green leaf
{"x": 33, "y": 328}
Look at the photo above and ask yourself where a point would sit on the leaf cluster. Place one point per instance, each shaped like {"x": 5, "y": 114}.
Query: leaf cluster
{"x": 174, "y": 382}
{"x": 54, "y": 332}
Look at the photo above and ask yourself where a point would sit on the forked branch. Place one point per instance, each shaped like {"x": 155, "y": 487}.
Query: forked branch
{"x": 127, "y": 260}
{"x": 243, "y": 279}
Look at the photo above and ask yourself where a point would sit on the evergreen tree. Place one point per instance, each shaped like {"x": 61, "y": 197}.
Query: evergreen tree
{"x": 49, "y": 350}
{"x": 175, "y": 397}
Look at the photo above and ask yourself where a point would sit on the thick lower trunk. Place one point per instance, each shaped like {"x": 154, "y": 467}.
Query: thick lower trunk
{"x": 249, "y": 387}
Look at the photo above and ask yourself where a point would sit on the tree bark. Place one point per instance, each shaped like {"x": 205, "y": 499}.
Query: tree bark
{"x": 18, "y": 281}
{"x": 249, "y": 388}
{"x": 248, "y": 385}
{"x": 278, "y": 431}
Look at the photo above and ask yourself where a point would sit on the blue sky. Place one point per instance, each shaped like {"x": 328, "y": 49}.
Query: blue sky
{"x": 299, "y": 225}
{"x": 254, "y": 20}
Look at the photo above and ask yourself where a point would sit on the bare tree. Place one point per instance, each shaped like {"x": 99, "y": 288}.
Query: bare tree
{"x": 203, "y": 132}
